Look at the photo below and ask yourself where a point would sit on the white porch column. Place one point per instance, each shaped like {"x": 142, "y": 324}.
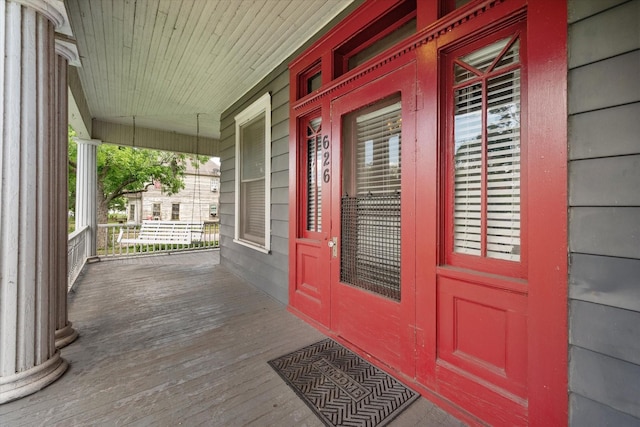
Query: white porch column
{"x": 86, "y": 188}
{"x": 65, "y": 333}
{"x": 29, "y": 359}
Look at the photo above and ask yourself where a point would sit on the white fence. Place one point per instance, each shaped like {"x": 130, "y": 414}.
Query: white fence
{"x": 108, "y": 245}
{"x": 76, "y": 254}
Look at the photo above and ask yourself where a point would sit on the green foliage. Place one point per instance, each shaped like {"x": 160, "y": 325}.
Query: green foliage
{"x": 73, "y": 156}
{"x": 130, "y": 170}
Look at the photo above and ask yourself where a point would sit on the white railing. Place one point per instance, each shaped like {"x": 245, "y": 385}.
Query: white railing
{"x": 109, "y": 246}
{"x": 76, "y": 254}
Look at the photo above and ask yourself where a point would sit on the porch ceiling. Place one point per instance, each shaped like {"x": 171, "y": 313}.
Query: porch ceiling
{"x": 164, "y": 61}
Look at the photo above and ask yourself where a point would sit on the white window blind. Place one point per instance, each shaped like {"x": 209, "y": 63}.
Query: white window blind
{"x": 314, "y": 175}
{"x": 378, "y": 151}
{"x": 486, "y": 215}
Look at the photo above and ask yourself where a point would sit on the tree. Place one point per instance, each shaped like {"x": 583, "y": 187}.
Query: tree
{"x": 128, "y": 170}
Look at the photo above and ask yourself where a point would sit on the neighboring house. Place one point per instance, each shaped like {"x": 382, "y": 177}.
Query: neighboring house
{"x": 197, "y": 201}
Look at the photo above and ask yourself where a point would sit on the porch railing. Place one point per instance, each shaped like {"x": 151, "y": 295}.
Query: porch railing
{"x": 108, "y": 245}
{"x": 77, "y": 254}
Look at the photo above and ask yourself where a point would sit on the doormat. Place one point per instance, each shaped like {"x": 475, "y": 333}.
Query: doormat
{"x": 342, "y": 388}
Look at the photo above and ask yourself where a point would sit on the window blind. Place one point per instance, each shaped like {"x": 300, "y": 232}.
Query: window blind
{"x": 371, "y": 219}
{"x": 252, "y": 182}
{"x": 486, "y": 210}
{"x": 378, "y": 154}
{"x": 314, "y": 175}
{"x": 503, "y": 166}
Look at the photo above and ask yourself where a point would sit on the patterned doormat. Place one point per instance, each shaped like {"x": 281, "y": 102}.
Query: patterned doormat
{"x": 342, "y": 388}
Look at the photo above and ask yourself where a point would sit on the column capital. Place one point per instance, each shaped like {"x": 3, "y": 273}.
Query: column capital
{"x": 68, "y": 51}
{"x": 95, "y": 142}
{"x": 53, "y": 10}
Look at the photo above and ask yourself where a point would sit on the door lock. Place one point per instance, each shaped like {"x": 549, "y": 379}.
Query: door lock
{"x": 333, "y": 244}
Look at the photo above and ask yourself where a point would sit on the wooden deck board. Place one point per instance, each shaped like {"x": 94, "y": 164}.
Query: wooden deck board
{"x": 178, "y": 340}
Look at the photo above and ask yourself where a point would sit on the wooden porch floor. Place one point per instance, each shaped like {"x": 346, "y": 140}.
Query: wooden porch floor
{"x": 178, "y": 340}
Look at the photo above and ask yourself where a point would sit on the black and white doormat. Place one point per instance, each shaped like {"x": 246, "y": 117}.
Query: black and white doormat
{"x": 342, "y": 388}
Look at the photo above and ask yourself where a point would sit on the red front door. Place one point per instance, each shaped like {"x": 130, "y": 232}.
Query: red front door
{"x": 372, "y": 226}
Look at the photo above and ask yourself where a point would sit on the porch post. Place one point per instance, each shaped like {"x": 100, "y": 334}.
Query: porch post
{"x": 86, "y": 188}
{"x": 29, "y": 359}
{"x": 65, "y": 333}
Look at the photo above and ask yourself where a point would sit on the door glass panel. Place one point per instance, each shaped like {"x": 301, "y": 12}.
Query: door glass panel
{"x": 370, "y": 227}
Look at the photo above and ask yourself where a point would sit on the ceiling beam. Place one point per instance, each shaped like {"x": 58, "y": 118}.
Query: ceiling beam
{"x": 122, "y": 134}
{"x": 79, "y": 114}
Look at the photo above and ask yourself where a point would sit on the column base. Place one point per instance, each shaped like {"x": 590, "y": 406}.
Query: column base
{"x": 27, "y": 382}
{"x": 65, "y": 336}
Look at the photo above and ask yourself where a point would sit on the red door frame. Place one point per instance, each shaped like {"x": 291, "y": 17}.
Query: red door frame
{"x": 546, "y": 128}
{"x": 357, "y": 316}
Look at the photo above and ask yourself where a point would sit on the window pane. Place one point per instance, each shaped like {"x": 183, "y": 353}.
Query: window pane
{"x": 252, "y": 151}
{"x": 486, "y": 211}
{"x": 468, "y": 170}
{"x": 378, "y": 151}
{"x": 175, "y": 211}
{"x": 252, "y": 207}
{"x": 252, "y": 192}
{"x": 503, "y": 167}
{"x": 314, "y": 82}
{"x": 383, "y": 44}
{"x": 481, "y": 59}
{"x": 314, "y": 175}
{"x": 252, "y": 174}
{"x": 370, "y": 212}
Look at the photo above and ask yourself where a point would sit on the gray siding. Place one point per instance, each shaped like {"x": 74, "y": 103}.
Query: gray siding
{"x": 268, "y": 272}
{"x": 604, "y": 217}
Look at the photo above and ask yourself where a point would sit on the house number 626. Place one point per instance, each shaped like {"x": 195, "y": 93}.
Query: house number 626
{"x": 326, "y": 173}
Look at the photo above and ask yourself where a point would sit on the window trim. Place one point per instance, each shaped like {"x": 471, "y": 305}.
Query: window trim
{"x": 261, "y": 106}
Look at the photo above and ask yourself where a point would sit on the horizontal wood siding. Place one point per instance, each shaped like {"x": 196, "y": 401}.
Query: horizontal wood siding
{"x": 269, "y": 272}
{"x": 604, "y": 220}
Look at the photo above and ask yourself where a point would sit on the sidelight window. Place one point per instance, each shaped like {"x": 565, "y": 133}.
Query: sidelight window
{"x": 313, "y": 166}
{"x": 486, "y": 190}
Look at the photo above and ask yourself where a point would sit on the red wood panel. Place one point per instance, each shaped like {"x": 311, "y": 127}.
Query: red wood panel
{"x": 482, "y": 330}
{"x": 311, "y": 293}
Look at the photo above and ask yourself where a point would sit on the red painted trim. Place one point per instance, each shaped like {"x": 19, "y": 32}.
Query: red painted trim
{"x": 548, "y": 259}
{"x": 544, "y": 127}
{"x": 427, "y": 13}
